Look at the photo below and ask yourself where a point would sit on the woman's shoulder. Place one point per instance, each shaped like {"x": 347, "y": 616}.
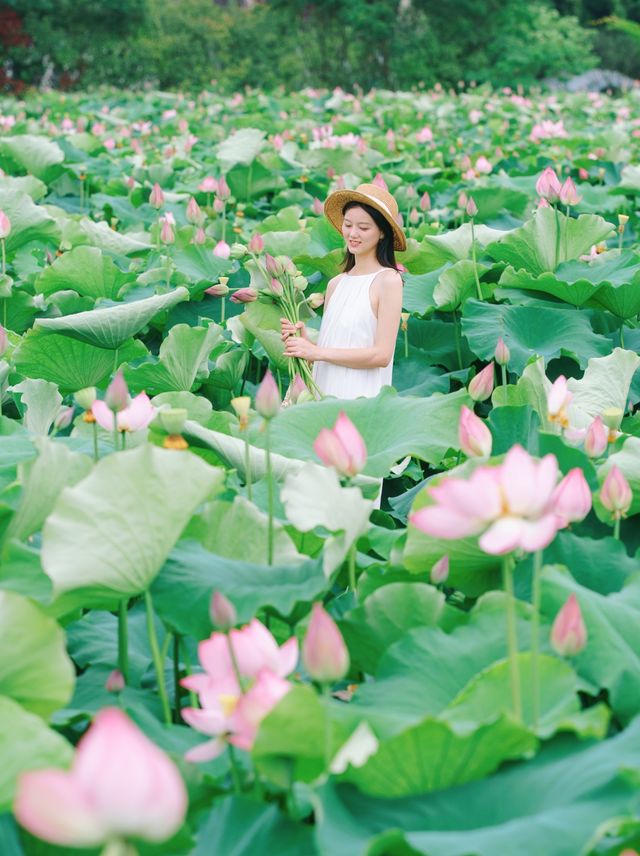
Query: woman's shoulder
{"x": 389, "y": 277}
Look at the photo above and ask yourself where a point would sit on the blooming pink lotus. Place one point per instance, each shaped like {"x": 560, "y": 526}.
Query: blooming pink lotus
{"x": 548, "y": 185}
{"x": 569, "y": 633}
{"x": 135, "y": 417}
{"x": 342, "y": 447}
{"x": 596, "y": 439}
{"x": 120, "y": 785}
{"x": 512, "y": 505}
{"x": 558, "y": 401}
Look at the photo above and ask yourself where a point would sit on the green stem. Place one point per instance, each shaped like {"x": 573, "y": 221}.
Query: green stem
{"x": 269, "y": 495}
{"x": 616, "y": 528}
{"x": 328, "y": 735}
{"x": 115, "y": 431}
{"x": 96, "y": 454}
{"x": 566, "y": 235}
{"x": 503, "y": 372}
{"x": 512, "y": 636}
{"x": 622, "y": 333}
{"x": 223, "y": 304}
{"x": 406, "y": 343}
{"x": 157, "y": 661}
{"x": 123, "y": 640}
{"x": 4, "y": 257}
{"x": 193, "y": 699}
{"x": 124, "y": 440}
{"x": 234, "y": 663}
{"x": 235, "y": 770}
{"x": 115, "y": 360}
{"x": 456, "y": 335}
{"x": 352, "y": 567}
{"x": 557, "y": 213}
{"x": 535, "y": 636}
{"x": 475, "y": 264}
{"x": 176, "y": 678}
{"x": 248, "y": 476}
{"x": 224, "y": 219}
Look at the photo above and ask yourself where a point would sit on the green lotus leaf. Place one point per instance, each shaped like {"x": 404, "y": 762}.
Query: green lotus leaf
{"x": 437, "y": 250}
{"x": 627, "y": 460}
{"x": 101, "y": 235}
{"x": 42, "y": 401}
{"x": 86, "y": 271}
{"x": 199, "y": 264}
{"x": 241, "y": 147}
{"x": 604, "y": 385}
{"x": 36, "y": 155}
{"x": 29, "y": 222}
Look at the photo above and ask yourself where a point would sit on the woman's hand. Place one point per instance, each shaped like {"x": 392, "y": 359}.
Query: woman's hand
{"x": 296, "y": 346}
{"x": 287, "y": 329}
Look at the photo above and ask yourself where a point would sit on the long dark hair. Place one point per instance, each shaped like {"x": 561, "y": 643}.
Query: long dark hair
{"x": 384, "y": 251}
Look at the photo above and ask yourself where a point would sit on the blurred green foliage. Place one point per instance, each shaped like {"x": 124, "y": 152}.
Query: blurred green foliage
{"x": 297, "y": 43}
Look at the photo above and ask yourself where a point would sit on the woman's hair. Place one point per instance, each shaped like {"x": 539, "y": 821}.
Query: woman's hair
{"x": 384, "y": 251}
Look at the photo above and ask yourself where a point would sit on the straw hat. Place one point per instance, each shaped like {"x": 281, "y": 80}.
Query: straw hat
{"x": 369, "y": 194}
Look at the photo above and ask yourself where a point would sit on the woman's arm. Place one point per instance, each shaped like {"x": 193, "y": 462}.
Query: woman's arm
{"x": 380, "y": 353}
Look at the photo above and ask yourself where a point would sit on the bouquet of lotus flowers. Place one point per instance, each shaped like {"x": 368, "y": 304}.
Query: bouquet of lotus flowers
{"x": 286, "y": 289}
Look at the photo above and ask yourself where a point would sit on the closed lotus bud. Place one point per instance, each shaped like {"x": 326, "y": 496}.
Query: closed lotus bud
{"x": 218, "y": 290}
{"x": 414, "y": 216}
{"x": 156, "y": 197}
{"x": 462, "y": 200}
{"x": 173, "y": 419}
{"x": 115, "y": 682}
{"x": 238, "y": 251}
{"x": 317, "y": 207}
{"x": 425, "y": 201}
{"x": 63, "y": 419}
{"x": 208, "y": 184}
{"x": 300, "y": 282}
{"x": 615, "y": 493}
{"x": 298, "y": 388}
{"x": 481, "y": 386}
{"x": 571, "y": 499}
{"x": 473, "y": 435}
{"x": 276, "y": 287}
{"x": 167, "y": 235}
{"x": 268, "y": 397}
{"x": 218, "y": 205}
{"x": 4, "y": 340}
{"x": 471, "y": 208}
{"x": 287, "y": 265}
{"x": 5, "y": 225}
{"x": 200, "y": 236}
{"x": 548, "y": 185}
{"x": 117, "y": 395}
{"x": 222, "y": 612}
{"x": 502, "y": 353}
{"x": 242, "y": 407}
{"x": 568, "y": 193}
{"x": 223, "y": 191}
{"x": 380, "y": 182}
{"x": 256, "y": 244}
{"x": 222, "y": 250}
{"x": 324, "y": 652}
{"x": 244, "y": 295}
{"x": 596, "y": 439}
{"x": 85, "y": 397}
{"x": 569, "y": 634}
{"x": 315, "y": 300}
{"x": 440, "y": 571}
{"x": 558, "y": 401}
{"x": 272, "y": 265}
{"x": 342, "y": 447}
{"x": 194, "y": 213}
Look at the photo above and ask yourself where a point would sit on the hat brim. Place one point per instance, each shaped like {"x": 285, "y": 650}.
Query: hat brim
{"x": 338, "y": 199}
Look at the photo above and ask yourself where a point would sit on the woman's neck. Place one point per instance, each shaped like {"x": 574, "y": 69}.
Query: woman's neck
{"x": 362, "y": 266}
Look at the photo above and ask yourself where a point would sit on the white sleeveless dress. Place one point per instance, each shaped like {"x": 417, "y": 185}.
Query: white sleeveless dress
{"x": 349, "y": 322}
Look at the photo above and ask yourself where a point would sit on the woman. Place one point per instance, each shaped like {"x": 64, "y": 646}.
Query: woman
{"x": 354, "y": 353}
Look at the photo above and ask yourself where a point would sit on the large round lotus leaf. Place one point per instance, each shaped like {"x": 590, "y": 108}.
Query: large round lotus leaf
{"x": 29, "y": 222}
{"x": 112, "y": 531}
{"x": 34, "y": 154}
{"x": 112, "y": 326}
{"x": 84, "y": 270}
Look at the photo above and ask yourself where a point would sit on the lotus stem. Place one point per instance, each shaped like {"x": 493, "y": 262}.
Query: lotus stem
{"x": 557, "y": 213}
{"x": 248, "y": 475}
{"x": 535, "y": 636}
{"x": 4, "y": 257}
{"x": 123, "y": 639}
{"x": 475, "y": 263}
{"x": 96, "y": 454}
{"x": 352, "y": 567}
{"x": 193, "y": 699}
{"x": 269, "y": 495}
{"x": 157, "y": 659}
{"x": 223, "y": 304}
{"x": 622, "y": 333}
{"x": 503, "y": 372}
{"x": 406, "y": 343}
{"x": 456, "y": 334}
{"x": 115, "y": 431}
{"x": 328, "y": 735}
{"x": 512, "y": 636}
{"x": 224, "y": 219}
{"x": 235, "y": 770}
{"x": 616, "y": 528}
{"x": 176, "y": 678}
{"x": 566, "y": 235}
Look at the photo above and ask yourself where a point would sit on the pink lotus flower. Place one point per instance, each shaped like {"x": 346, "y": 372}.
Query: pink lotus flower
{"x": 298, "y": 388}
{"x": 483, "y": 166}
{"x": 208, "y": 184}
{"x": 512, "y": 505}
{"x": 5, "y": 225}
{"x": 222, "y": 612}
{"x": 256, "y": 244}
{"x": 117, "y": 395}
{"x": 324, "y": 653}
{"x": 471, "y": 208}
{"x": 276, "y": 287}
{"x": 4, "y": 340}
{"x": 558, "y": 401}
{"x": 156, "y": 197}
{"x": 425, "y": 135}
{"x": 317, "y": 207}
{"x": 220, "y": 289}
{"x": 342, "y": 447}
{"x": 268, "y": 397}
{"x": 115, "y": 683}
{"x": 583, "y": 175}
{"x": 425, "y": 201}
{"x": 120, "y": 785}
{"x": 615, "y": 493}
{"x": 547, "y": 130}
{"x": 244, "y": 295}
{"x": 194, "y": 213}
{"x": 481, "y": 387}
{"x": 223, "y": 192}
{"x": 473, "y": 435}
{"x": 568, "y": 193}
{"x": 440, "y": 571}
{"x": 222, "y": 250}
{"x": 569, "y": 633}
{"x": 596, "y": 439}
{"x": 572, "y": 497}
{"x": 548, "y": 185}
{"x": 167, "y": 235}
{"x": 135, "y": 417}
{"x": 502, "y": 354}
{"x": 380, "y": 182}
{"x": 200, "y": 236}
{"x": 315, "y": 300}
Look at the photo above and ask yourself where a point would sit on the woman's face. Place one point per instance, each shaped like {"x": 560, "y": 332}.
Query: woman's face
{"x": 360, "y": 232}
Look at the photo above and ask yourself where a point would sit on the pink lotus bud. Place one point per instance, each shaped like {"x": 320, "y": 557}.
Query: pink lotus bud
{"x": 298, "y": 388}
{"x": 474, "y": 437}
{"x": 167, "y": 235}
{"x": 483, "y": 165}
{"x": 208, "y": 184}
{"x": 440, "y": 571}
{"x": 571, "y": 500}
{"x": 414, "y": 216}
{"x": 5, "y": 225}
{"x": 502, "y": 354}
{"x": 220, "y": 289}
{"x": 342, "y": 447}
{"x": 222, "y": 250}
{"x": 462, "y": 200}
{"x": 244, "y": 295}
{"x": 273, "y": 265}
{"x": 583, "y": 175}
{"x": 256, "y": 244}
{"x": 218, "y": 205}
{"x": 558, "y": 401}
{"x": 117, "y": 395}
{"x": 481, "y": 386}
{"x": 471, "y": 207}
{"x": 276, "y": 287}
{"x": 425, "y": 201}
{"x": 222, "y": 612}
{"x": 317, "y": 207}
{"x": 380, "y": 182}
{"x": 548, "y": 185}
{"x": 569, "y": 634}
{"x": 223, "y": 191}
{"x": 63, "y": 419}
{"x": 315, "y": 300}
{"x": 542, "y": 203}
{"x": 568, "y": 193}
{"x": 268, "y": 397}
{"x": 200, "y": 236}
{"x": 120, "y": 786}
{"x": 615, "y": 493}
{"x": 156, "y": 197}
{"x": 194, "y": 213}
{"x": 4, "y": 340}
{"x": 324, "y": 653}
{"x": 596, "y": 439}
{"x": 115, "y": 682}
